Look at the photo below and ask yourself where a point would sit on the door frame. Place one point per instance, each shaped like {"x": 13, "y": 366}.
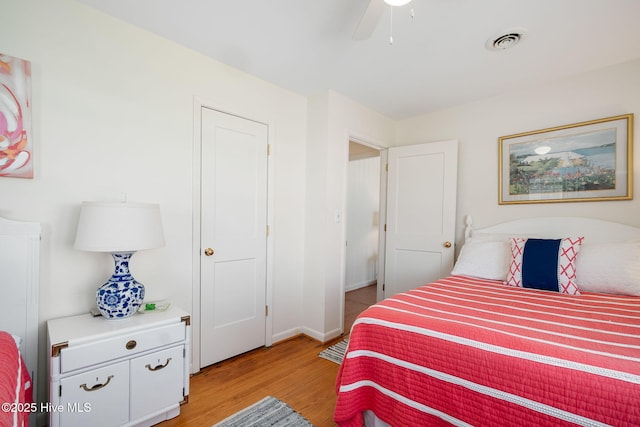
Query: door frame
{"x": 198, "y": 105}
{"x": 382, "y": 224}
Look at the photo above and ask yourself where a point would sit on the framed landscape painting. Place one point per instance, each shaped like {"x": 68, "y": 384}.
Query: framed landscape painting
{"x": 579, "y": 162}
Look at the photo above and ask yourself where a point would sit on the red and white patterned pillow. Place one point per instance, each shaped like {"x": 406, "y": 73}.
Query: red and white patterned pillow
{"x": 564, "y": 269}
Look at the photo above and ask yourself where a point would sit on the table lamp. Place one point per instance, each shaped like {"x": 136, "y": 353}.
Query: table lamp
{"x": 121, "y": 228}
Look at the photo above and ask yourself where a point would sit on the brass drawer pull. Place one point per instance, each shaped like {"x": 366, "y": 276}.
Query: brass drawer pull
{"x": 130, "y": 345}
{"x": 96, "y": 386}
{"x": 158, "y": 367}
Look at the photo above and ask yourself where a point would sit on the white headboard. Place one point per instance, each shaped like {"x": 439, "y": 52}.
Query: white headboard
{"x": 594, "y": 230}
{"x": 19, "y": 267}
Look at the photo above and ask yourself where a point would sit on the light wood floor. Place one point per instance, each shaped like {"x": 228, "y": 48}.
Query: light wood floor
{"x": 290, "y": 371}
{"x": 355, "y": 303}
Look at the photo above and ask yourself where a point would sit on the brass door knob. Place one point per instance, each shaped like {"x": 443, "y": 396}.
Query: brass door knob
{"x": 447, "y": 244}
{"x": 208, "y": 252}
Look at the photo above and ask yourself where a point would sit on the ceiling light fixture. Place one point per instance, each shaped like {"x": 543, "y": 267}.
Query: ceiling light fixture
{"x": 392, "y": 4}
{"x": 397, "y": 2}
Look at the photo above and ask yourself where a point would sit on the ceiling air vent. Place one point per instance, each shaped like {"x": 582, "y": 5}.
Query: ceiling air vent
{"x": 506, "y": 39}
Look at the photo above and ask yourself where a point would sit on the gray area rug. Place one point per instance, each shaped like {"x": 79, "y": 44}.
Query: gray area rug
{"x": 267, "y": 412}
{"x": 336, "y": 352}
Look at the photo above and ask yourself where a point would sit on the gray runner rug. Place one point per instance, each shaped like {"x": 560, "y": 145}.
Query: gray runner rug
{"x": 267, "y": 412}
{"x": 336, "y": 352}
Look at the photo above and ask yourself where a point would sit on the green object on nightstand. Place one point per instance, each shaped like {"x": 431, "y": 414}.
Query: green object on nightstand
{"x": 149, "y": 307}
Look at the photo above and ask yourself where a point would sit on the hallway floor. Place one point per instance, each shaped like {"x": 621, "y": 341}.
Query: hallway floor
{"x": 355, "y": 302}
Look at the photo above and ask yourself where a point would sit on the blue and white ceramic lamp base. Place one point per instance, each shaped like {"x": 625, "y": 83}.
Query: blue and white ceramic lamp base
{"x": 122, "y": 295}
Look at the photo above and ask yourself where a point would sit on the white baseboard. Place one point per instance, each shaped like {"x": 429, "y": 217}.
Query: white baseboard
{"x": 328, "y": 336}
{"x": 285, "y": 335}
{"x": 354, "y": 286}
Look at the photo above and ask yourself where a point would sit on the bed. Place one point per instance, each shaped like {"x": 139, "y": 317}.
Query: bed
{"x": 19, "y": 266}
{"x": 481, "y": 347}
{"x": 15, "y": 384}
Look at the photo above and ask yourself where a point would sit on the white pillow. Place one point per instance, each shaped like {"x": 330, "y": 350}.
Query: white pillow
{"x": 483, "y": 258}
{"x": 612, "y": 268}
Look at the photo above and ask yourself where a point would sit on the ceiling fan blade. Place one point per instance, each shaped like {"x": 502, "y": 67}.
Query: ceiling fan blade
{"x": 369, "y": 20}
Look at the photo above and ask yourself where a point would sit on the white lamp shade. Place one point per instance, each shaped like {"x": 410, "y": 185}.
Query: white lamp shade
{"x": 119, "y": 227}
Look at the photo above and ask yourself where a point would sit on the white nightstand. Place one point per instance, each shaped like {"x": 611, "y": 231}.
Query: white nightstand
{"x": 128, "y": 372}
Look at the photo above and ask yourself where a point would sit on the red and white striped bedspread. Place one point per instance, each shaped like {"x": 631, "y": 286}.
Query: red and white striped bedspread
{"x": 475, "y": 352}
{"x": 15, "y": 384}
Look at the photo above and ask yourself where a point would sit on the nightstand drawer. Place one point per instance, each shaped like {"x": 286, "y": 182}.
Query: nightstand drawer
{"x": 85, "y": 355}
{"x": 156, "y": 381}
{"x": 97, "y": 398}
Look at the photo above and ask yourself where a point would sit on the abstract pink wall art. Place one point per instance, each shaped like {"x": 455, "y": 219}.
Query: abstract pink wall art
{"x": 16, "y": 140}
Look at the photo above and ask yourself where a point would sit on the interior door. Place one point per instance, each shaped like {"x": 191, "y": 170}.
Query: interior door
{"x": 420, "y": 216}
{"x": 233, "y": 236}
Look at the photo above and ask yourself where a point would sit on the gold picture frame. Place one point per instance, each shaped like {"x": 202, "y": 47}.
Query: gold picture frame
{"x": 586, "y": 161}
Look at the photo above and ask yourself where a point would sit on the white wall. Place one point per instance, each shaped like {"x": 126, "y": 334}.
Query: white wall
{"x": 333, "y": 120}
{"x": 113, "y": 112}
{"x": 362, "y": 218}
{"x": 477, "y": 126}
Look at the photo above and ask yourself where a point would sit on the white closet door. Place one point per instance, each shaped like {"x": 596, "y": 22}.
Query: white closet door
{"x": 233, "y": 236}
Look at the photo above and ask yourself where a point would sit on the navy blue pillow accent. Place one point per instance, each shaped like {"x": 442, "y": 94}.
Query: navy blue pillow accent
{"x": 540, "y": 264}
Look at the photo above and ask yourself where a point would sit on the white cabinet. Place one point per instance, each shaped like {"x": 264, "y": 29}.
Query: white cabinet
{"x": 126, "y": 372}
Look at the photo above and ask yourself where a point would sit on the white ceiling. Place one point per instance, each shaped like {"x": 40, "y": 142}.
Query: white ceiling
{"x": 438, "y": 59}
